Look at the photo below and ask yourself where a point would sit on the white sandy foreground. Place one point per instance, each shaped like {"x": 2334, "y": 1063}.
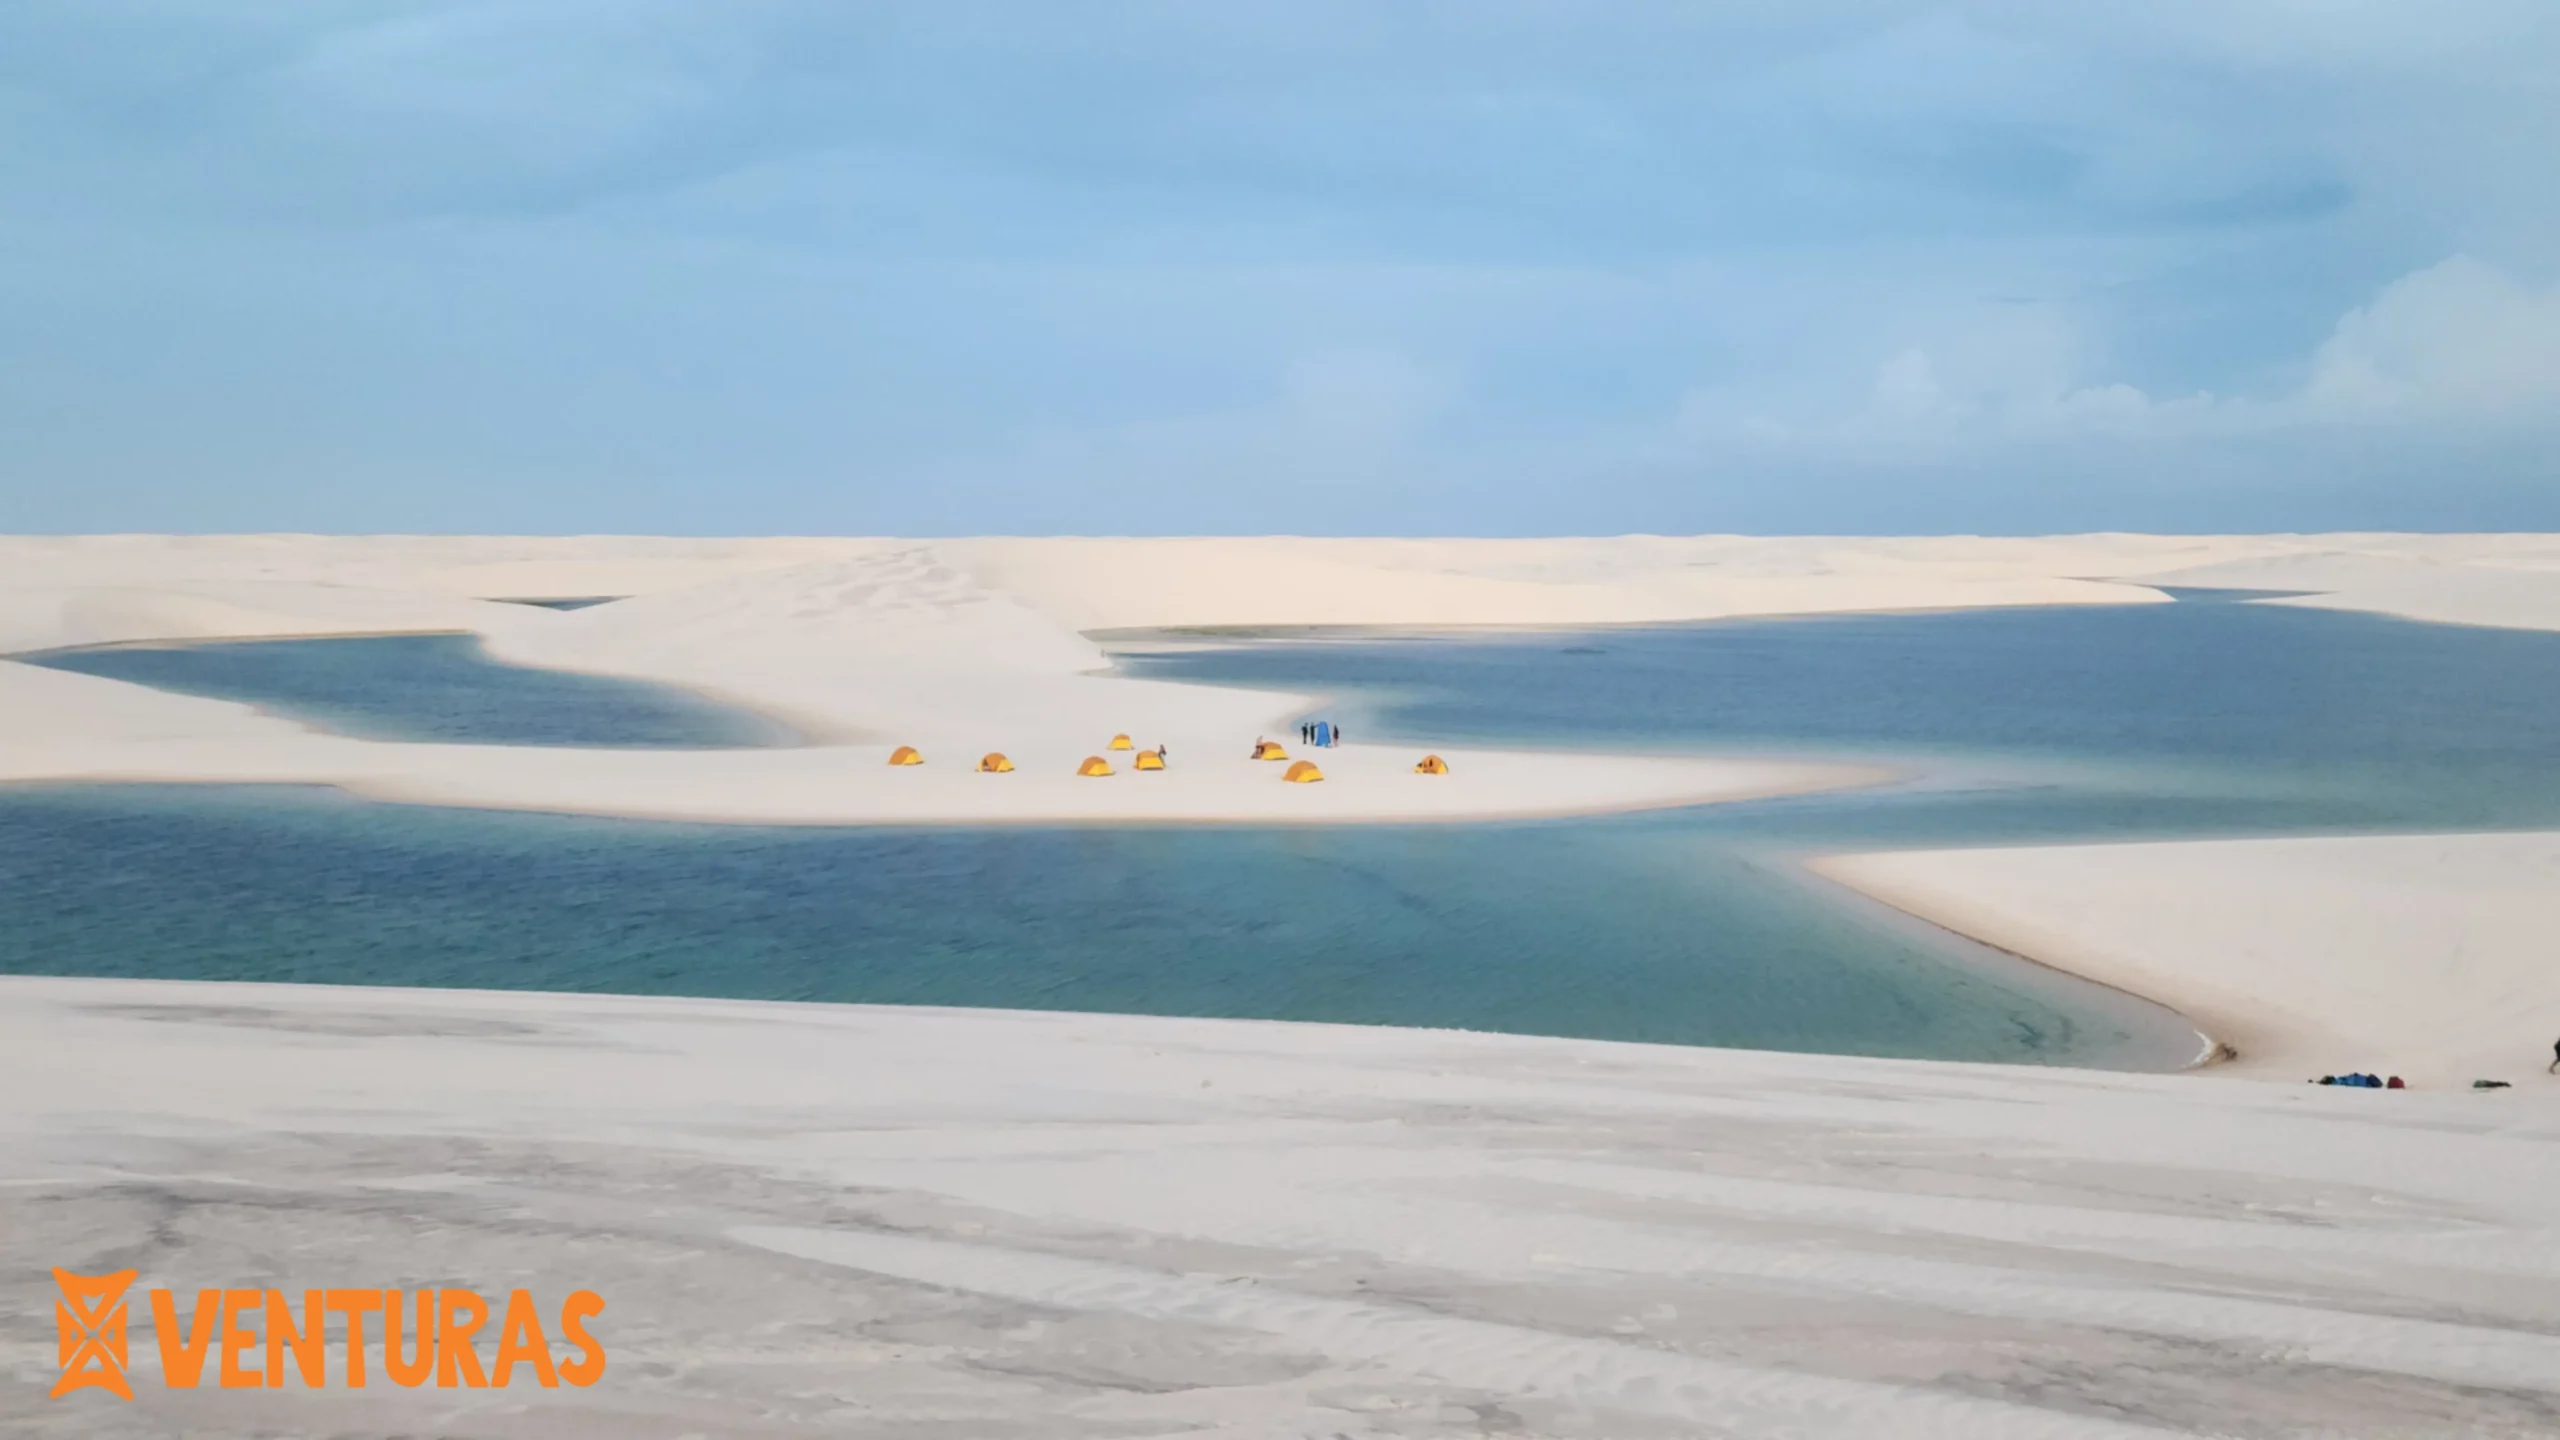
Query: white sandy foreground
{"x": 819, "y": 1220}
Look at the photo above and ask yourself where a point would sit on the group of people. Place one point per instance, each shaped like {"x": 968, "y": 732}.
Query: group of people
{"x": 1320, "y": 733}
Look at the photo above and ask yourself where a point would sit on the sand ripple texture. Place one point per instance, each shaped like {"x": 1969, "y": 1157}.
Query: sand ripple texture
{"x": 814, "y": 1220}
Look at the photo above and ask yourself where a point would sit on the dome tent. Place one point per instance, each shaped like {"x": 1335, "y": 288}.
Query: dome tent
{"x": 994, "y": 763}
{"x": 1094, "y": 765}
{"x": 1269, "y": 750}
{"x": 1432, "y": 765}
{"x": 1120, "y": 742}
{"x": 1302, "y": 773}
{"x": 905, "y": 755}
{"x": 1149, "y": 760}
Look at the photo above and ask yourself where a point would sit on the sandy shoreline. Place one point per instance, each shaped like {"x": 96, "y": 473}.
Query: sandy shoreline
{"x": 605, "y": 784}
{"x": 2425, "y": 956}
{"x": 1856, "y": 875}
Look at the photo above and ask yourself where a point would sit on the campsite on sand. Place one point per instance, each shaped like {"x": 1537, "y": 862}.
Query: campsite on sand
{"x": 984, "y": 1222}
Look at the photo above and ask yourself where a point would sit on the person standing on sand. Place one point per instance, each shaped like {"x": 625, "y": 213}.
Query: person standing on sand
{"x": 2555, "y": 1059}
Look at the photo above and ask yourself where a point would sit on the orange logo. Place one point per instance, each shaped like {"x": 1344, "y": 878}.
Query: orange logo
{"x": 89, "y": 1325}
{"x": 229, "y": 1329}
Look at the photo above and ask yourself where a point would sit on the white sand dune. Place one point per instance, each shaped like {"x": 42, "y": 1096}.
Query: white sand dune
{"x": 1044, "y": 714}
{"x": 1246, "y": 581}
{"x": 2427, "y": 956}
{"x": 2509, "y": 580}
{"x": 965, "y": 646}
{"x": 884, "y": 645}
{"x": 848, "y": 1220}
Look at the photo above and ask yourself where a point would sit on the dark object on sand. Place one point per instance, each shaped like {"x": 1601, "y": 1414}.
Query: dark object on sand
{"x": 2490, "y": 1085}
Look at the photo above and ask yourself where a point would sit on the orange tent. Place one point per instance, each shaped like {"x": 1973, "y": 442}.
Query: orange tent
{"x": 1432, "y": 765}
{"x": 1150, "y": 760}
{"x": 1119, "y": 742}
{"x": 1302, "y": 773}
{"x": 1094, "y": 765}
{"x": 994, "y": 763}
{"x": 1269, "y": 750}
{"x": 905, "y": 755}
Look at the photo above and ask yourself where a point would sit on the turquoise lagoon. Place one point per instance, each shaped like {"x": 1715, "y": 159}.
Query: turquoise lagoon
{"x": 1692, "y": 926}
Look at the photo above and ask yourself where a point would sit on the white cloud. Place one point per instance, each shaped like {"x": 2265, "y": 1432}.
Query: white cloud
{"x": 2457, "y": 341}
{"x": 2458, "y": 344}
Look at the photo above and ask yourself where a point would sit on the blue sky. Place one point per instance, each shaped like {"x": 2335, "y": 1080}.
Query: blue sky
{"x": 1484, "y": 266}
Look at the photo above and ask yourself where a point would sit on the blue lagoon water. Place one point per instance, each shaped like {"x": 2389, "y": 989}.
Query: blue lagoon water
{"x": 1690, "y": 926}
{"x": 1627, "y": 930}
{"x": 428, "y": 687}
{"x": 2025, "y": 725}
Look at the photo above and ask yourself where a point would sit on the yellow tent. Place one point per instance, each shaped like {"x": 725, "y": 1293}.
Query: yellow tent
{"x": 1094, "y": 765}
{"x": 905, "y": 755}
{"x": 1302, "y": 773}
{"x": 1269, "y": 750}
{"x": 1119, "y": 742}
{"x": 1432, "y": 765}
{"x": 1150, "y": 760}
{"x": 994, "y": 763}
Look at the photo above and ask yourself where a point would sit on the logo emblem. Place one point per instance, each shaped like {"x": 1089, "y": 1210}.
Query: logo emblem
{"x": 90, "y": 1320}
